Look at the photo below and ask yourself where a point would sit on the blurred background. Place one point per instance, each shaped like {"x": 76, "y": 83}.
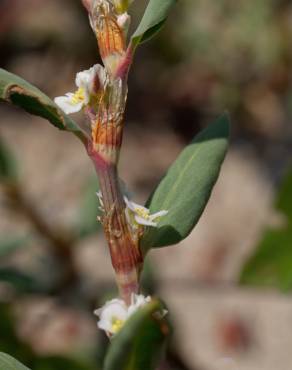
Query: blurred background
{"x": 228, "y": 284}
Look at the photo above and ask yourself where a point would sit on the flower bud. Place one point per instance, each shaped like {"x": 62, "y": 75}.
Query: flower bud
{"x": 124, "y": 21}
{"x": 110, "y": 35}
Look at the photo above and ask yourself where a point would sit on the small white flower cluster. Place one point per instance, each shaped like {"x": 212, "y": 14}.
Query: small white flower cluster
{"x": 113, "y": 315}
{"x": 86, "y": 82}
{"x": 136, "y": 215}
{"x": 90, "y": 80}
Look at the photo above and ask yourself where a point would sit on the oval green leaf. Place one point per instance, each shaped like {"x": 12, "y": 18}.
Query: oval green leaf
{"x": 186, "y": 188}
{"x": 153, "y": 19}
{"x": 140, "y": 343}
{"x": 19, "y": 92}
{"x": 9, "y": 363}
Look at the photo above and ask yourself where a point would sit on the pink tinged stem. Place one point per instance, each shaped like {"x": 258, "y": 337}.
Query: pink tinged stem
{"x": 125, "y": 253}
{"x": 124, "y": 66}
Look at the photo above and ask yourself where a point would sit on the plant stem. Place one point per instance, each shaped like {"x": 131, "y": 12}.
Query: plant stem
{"x": 125, "y": 252}
{"x": 107, "y": 122}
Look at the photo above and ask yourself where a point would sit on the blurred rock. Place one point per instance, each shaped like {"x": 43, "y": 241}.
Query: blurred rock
{"x": 51, "y": 329}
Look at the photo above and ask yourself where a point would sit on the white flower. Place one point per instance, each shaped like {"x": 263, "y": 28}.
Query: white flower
{"x": 87, "y": 82}
{"x": 137, "y": 301}
{"x": 136, "y": 214}
{"x": 139, "y": 215}
{"x": 112, "y": 316}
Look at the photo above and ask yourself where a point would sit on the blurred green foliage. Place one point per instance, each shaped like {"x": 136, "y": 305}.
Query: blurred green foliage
{"x": 20, "y": 281}
{"x": 26, "y": 283}
{"x": 89, "y": 210}
{"x": 11, "y": 244}
{"x": 284, "y": 199}
{"x": 138, "y": 346}
{"x": 248, "y": 30}
{"x": 271, "y": 263}
{"x": 11, "y": 344}
{"x": 8, "y": 166}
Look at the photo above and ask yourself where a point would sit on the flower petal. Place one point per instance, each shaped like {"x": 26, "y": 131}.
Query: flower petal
{"x": 134, "y": 206}
{"x": 129, "y": 204}
{"x": 100, "y": 71}
{"x": 99, "y": 195}
{"x": 137, "y": 301}
{"x": 65, "y": 103}
{"x": 83, "y": 78}
{"x": 158, "y": 214}
{"x": 142, "y": 221}
{"x": 113, "y": 310}
{"x": 87, "y": 80}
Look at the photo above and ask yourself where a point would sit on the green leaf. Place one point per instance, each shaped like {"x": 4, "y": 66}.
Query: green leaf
{"x": 140, "y": 343}
{"x": 9, "y": 363}
{"x": 19, "y": 92}
{"x": 271, "y": 264}
{"x": 186, "y": 188}
{"x": 8, "y": 166}
{"x": 153, "y": 19}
